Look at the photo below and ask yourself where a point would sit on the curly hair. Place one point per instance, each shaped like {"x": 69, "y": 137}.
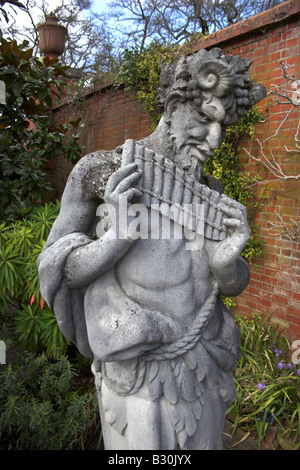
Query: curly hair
{"x": 206, "y": 73}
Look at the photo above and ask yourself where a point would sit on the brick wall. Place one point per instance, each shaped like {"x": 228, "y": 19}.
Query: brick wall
{"x": 110, "y": 117}
{"x": 268, "y": 38}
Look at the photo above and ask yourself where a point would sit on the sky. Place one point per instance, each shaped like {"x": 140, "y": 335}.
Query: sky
{"x": 22, "y": 18}
{"x": 100, "y": 5}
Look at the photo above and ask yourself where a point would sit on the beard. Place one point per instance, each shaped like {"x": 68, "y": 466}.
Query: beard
{"x": 184, "y": 159}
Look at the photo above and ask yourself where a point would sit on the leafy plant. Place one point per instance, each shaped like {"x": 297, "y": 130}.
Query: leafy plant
{"x": 20, "y": 244}
{"x": 26, "y": 137}
{"x": 228, "y": 167}
{"x": 267, "y": 384}
{"x": 10, "y": 272}
{"x": 140, "y": 73}
{"x": 38, "y": 330}
{"x": 41, "y": 410}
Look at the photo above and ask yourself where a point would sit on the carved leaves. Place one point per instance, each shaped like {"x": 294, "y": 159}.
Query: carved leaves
{"x": 179, "y": 381}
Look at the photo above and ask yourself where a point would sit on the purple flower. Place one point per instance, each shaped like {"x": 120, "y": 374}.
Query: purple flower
{"x": 261, "y": 387}
{"x": 277, "y": 352}
{"x": 280, "y": 365}
{"x": 298, "y": 372}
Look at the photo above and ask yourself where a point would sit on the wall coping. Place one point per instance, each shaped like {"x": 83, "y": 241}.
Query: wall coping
{"x": 261, "y": 21}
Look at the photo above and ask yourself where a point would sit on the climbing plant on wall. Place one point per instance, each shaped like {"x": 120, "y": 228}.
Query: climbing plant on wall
{"x": 228, "y": 167}
{"x": 140, "y": 73}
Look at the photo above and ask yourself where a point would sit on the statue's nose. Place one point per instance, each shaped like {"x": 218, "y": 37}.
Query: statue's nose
{"x": 199, "y": 132}
{"x": 213, "y": 136}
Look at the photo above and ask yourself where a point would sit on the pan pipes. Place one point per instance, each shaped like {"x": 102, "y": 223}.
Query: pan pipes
{"x": 168, "y": 189}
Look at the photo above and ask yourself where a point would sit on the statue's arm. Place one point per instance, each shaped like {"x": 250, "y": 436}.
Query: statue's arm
{"x": 228, "y": 268}
{"x": 86, "y": 263}
{"x": 232, "y": 276}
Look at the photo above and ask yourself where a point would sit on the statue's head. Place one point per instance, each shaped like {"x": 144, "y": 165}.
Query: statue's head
{"x": 200, "y": 95}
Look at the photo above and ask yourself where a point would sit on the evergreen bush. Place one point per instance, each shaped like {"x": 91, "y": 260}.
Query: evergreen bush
{"x": 40, "y": 409}
{"x": 20, "y": 244}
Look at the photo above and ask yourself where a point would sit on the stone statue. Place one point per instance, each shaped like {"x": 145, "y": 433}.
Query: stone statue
{"x": 143, "y": 249}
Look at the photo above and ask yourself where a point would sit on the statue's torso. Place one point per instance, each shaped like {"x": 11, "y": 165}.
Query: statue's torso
{"x": 167, "y": 275}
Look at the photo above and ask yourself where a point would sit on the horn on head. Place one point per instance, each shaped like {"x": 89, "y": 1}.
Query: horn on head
{"x": 216, "y": 77}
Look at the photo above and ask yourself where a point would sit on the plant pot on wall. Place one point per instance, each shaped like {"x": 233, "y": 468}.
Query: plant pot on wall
{"x": 52, "y": 37}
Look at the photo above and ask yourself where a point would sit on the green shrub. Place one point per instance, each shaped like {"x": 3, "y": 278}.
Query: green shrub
{"x": 268, "y": 384}
{"x": 20, "y": 244}
{"x": 140, "y": 73}
{"x": 41, "y": 410}
{"x": 27, "y": 138}
{"x": 21, "y": 241}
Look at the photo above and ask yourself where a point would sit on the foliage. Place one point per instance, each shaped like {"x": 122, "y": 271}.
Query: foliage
{"x": 38, "y": 330}
{"x": 140, "y": 73}
{"x": 20, "y": 244}
{"x": 267, "y": 384}
{"x": 228, "y": 167}
{"x": 26, "y": 139}
{"x": 41, "y": 410}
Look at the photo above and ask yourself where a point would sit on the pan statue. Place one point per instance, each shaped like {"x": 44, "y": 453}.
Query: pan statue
{"x": 143, "y": 249}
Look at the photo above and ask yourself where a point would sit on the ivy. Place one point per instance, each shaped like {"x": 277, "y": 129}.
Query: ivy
{"x": 140, "y": 73}
{"x": 228, "y": 167}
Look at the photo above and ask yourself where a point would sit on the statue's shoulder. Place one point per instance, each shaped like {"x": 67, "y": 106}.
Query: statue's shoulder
{"x": 107, "y": 160}
{"x": 92, "y": 171}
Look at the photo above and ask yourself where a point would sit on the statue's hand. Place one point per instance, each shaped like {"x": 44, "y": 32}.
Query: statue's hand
{"x": 235, "y": 219}
{"x": 120, "y": 191}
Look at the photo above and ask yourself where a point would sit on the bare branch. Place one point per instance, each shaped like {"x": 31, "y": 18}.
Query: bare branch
{"x": 286, "y": 227}
{"x": 270, "y": 163}
{"x": 286, "y": 94}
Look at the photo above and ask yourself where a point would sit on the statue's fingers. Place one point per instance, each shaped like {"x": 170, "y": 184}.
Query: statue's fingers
{"x": 227, "y": 201}
{"x": 117, "y": 177}
{"x": 131, "y": 193}
{"x": 231, "y": 223}
{"x": 231, "y": 211}
{"x": 238, "y": 226}
{"x": 127, "y": 182}
{"x": 128, "y": 152}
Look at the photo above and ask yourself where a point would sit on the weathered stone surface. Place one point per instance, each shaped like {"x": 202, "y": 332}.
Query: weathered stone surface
{"x": 143, "y": 248}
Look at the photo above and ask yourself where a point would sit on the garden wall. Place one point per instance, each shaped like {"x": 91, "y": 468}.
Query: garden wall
{"x": 111, "y": 116}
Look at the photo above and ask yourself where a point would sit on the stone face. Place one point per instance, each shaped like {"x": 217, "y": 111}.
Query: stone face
{"x": 143, "y": 248}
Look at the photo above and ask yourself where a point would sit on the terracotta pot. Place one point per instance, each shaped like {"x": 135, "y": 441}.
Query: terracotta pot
{"x": 52, "y": 37}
